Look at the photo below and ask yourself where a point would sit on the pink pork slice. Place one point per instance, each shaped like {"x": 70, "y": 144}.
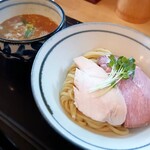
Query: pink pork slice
{"x": 137, "y": 97}
{"x": 110, "y": 107}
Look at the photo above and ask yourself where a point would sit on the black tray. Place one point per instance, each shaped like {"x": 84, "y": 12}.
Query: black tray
{"x": 22, "y": 126}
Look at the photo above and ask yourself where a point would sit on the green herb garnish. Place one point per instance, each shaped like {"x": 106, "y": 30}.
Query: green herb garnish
{"x": 29, "y": 31}
{"x": 122, "y": 68}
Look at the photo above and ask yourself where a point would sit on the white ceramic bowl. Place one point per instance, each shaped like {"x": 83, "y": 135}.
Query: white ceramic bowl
{"x": 50, "y": 68}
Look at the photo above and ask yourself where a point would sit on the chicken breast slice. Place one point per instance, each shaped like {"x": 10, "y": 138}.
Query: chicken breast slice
{"x": 110, "y": 107}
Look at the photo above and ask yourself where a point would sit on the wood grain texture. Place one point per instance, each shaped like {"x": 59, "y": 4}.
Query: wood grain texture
{"x": 103, "y": 11}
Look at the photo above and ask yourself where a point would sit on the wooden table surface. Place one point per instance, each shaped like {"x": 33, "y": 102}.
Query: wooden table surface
{"x": 103, "y": 11}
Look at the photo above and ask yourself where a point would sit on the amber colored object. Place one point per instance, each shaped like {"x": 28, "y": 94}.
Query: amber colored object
{"x": 134, "y": 11}
{"x": 93, "y": 1}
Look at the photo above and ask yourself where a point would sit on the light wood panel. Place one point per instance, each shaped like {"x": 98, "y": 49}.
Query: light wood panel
{"x": 103, "y": 11}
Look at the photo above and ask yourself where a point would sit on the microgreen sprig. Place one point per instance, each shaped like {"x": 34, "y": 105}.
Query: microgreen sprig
{"x": 122, "y": 68}
{"x": 29, "y": 31}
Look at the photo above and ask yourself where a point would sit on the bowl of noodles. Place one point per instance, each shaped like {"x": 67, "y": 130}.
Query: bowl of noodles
{"x": 25, "y": 25}
{"x": 57, "y": 90}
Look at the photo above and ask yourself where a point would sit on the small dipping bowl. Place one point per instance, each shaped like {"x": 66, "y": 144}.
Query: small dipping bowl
{"x": 27, "y": 49}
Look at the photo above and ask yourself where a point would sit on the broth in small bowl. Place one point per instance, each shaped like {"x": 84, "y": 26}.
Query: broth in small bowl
{"x": 25, "y": 25}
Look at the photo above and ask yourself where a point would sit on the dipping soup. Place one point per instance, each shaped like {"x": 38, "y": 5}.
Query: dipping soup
{"x": 26, "y": 26}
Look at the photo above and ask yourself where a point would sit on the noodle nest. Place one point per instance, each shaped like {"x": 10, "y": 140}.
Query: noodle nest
{"x": 67, "y": 101}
